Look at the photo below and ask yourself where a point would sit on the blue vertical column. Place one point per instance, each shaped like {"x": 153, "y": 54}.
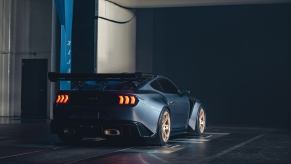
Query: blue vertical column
{"x": 65, "y": 15}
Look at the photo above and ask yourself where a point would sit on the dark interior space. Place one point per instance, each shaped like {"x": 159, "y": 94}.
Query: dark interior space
{"x": 34, "y": 88}
{"x": 234, "y": 58}
{"x": 57, "y": 106}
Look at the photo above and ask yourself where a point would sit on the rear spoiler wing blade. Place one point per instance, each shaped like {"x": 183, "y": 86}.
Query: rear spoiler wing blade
{"x": 55, "y": 77}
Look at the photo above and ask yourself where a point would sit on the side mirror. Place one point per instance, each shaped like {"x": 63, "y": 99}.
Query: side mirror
{"x": 188, "y": 92}
{"x": 185, "y": 93}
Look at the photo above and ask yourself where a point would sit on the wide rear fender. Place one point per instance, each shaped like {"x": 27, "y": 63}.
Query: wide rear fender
{"x": 193, "y": 116}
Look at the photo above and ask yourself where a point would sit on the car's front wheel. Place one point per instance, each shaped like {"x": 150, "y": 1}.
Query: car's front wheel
{"x": 164, "y": 128}
{"x": 201, "y": 122}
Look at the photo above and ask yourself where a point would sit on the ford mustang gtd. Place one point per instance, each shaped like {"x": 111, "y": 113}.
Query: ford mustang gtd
{"x": 124, "y": 106}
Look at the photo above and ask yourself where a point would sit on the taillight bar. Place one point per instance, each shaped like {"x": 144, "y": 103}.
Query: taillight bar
{"x": 62, "y": 99}
{"x": 127, "y": 100}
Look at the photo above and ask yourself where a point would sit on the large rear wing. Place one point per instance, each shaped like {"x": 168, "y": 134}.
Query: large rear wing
{"x": 55, "y": 77}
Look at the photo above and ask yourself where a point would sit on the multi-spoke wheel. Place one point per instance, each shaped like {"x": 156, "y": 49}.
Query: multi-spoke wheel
{"x": 164, "y": 128}
{"x": 201, "y": 122}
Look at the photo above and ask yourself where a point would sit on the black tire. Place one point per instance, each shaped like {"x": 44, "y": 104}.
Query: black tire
{"x": 69, "y": 136}
{"x": 158, "y": 138}
{"x": 198, "y": 129}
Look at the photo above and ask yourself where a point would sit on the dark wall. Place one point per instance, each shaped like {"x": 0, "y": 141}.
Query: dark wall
{"x": 236, "y": 59}
{"x": 83, "y": 41}
{"x": 145, "y": 40}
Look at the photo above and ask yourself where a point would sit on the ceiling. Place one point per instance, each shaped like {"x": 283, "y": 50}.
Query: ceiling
{"x": 185, "y": 3}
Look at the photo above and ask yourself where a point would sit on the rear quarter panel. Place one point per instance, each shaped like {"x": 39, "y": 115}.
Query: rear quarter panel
{"x": 194, "y": 114}
{"x": 148, "y": 110}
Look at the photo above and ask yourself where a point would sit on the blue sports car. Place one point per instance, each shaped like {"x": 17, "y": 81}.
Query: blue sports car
{"x": 125, "y": 105}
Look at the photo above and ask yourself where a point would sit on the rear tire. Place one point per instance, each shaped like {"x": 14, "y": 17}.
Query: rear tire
{"x": 200, "y": 122}
{"x": 164, "y": 128}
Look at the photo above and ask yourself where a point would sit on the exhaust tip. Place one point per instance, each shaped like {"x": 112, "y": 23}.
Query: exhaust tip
{"x": 111, "y": 132}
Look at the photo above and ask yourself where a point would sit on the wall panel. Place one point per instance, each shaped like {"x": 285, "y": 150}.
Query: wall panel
{"x": 25, "y": 33}
{"x": 116, "y": 41}
{"x": 5, "y": 26}
{"x": 236, "y": 59}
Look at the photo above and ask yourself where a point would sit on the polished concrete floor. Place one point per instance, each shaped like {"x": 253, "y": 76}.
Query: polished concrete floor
{"x": 30, "y": 141}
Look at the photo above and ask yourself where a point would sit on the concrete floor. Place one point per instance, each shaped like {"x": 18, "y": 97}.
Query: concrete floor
{"x": 30, "y": 141}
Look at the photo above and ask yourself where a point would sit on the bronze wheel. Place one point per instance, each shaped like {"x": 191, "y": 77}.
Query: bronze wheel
{"x": 166, "y": 126}
{"x": 202, "y": 121}
{"x": 164, "y": 129}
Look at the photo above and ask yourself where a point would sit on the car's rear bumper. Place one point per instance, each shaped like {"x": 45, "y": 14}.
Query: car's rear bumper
{"x": 147, "y": 115}
{"x": 96, "y": 128}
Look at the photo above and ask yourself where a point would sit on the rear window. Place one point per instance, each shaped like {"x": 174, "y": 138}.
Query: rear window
{"x": 109, "y": 85}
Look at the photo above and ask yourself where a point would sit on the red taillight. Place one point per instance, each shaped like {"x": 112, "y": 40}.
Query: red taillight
{"x": 62, "y": 99}
{"x": 127, "y": 100}
{"x": 121, "y": 100}
{"x": 132, "y": 100}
